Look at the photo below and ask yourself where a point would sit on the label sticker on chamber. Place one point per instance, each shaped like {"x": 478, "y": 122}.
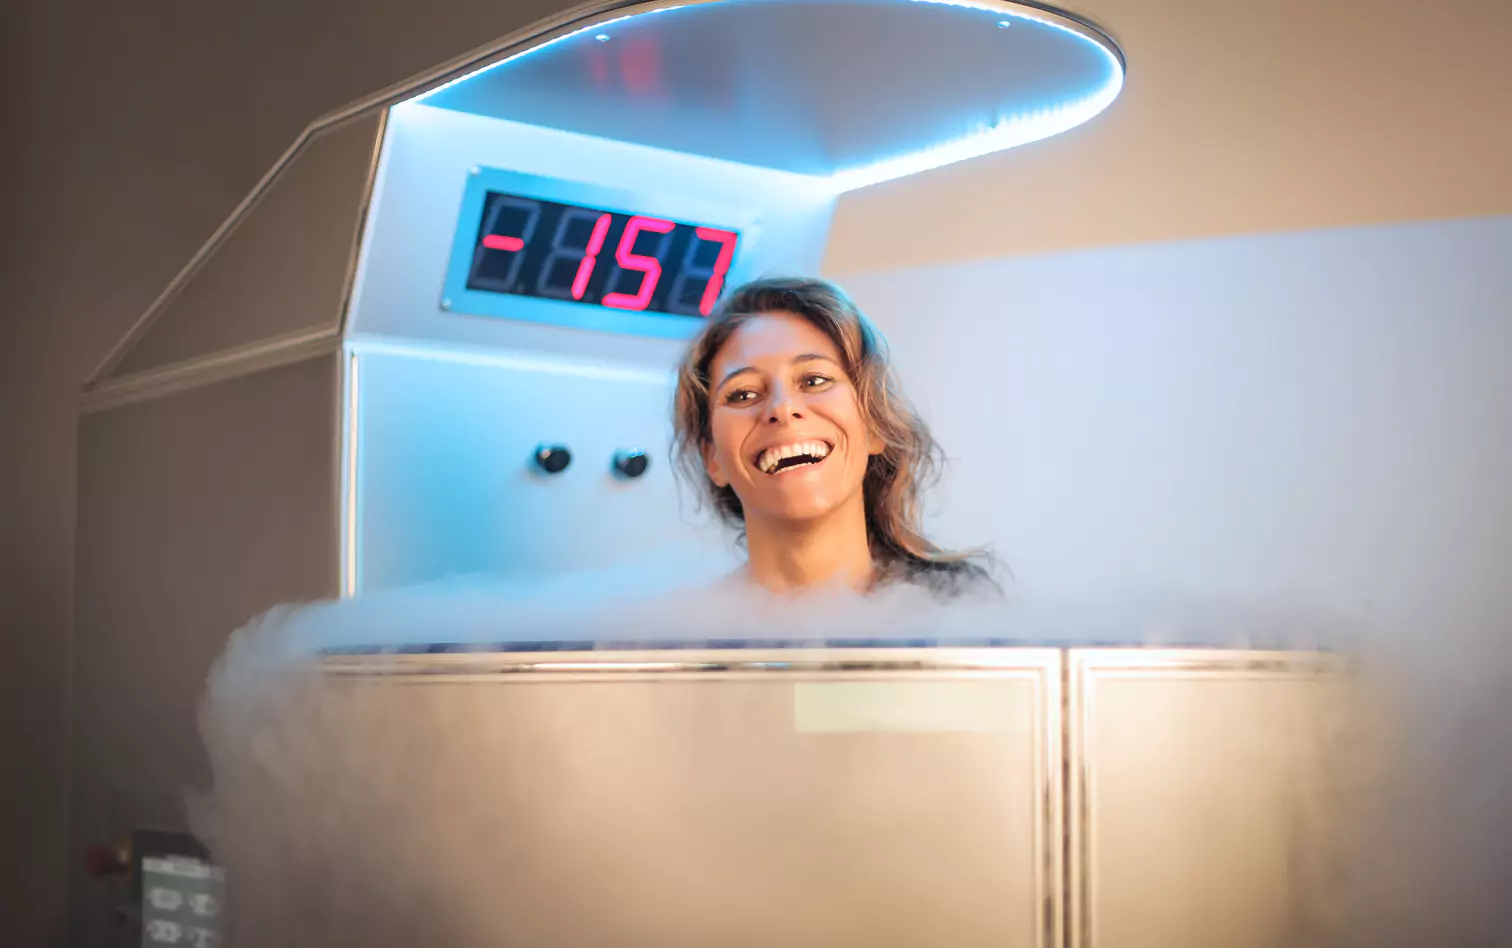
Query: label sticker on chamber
{"x": 921, "y": 707}
{"x": 181, "y": 902}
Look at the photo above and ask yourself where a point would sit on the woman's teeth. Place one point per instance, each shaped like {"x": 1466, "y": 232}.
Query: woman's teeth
{"x": 803, "y": 452}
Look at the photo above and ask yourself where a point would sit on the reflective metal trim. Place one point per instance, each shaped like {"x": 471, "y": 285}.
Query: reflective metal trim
{"x": 680, "y": 663}
{"x": 1084, "y": 25}
{"x": 1051, "y": 779}
{"x": 364, "y": 223}
{"x": 348, "y": 430}
{"x": 205, "y": 370}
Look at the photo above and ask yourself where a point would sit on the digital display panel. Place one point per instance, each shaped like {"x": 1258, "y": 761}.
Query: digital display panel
{"x": 634, "y": 262}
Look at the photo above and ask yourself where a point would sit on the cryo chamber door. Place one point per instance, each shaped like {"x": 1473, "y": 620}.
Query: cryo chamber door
{"x": 892, "y": 798}
{"x": 1206, "y": 796}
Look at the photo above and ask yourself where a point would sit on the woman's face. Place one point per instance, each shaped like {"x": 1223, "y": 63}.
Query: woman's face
{"x": 787, "y": 429}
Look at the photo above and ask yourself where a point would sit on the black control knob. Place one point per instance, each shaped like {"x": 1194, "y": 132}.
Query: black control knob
{"x": 553, "y": 458}
{"x": 631, "y": 463}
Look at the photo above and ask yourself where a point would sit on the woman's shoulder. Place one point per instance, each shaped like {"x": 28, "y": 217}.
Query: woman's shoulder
{"x": 948, "y": 578}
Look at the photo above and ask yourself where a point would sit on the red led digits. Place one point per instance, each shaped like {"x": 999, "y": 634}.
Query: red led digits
{"x": 648, "y": 265}
{"x": 590, "y": 256}
{"x": 726, "y": 241}
{"x": 698, "y": 280}
{"x": 510, "y": 213}
{"x": 550, "y": 250}
{"x": 500, "y": 242}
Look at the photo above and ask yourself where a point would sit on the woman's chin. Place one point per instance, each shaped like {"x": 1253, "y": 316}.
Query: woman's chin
{"x": 799, "y": 498}
{"x": 795, "y": 512}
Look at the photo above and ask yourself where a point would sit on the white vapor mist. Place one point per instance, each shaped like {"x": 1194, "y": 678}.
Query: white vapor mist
{"x": 546, "y": 815}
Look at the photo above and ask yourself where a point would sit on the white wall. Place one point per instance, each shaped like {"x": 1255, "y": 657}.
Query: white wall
{"x": 1329, "y": 410}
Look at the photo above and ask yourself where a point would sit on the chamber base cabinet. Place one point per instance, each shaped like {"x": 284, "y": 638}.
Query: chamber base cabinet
{"x": 1205, "y": 796}
{"x": 1056, "y": 798}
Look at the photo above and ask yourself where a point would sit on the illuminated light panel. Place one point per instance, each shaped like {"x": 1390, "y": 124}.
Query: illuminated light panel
{"x": 1008, "y": 132}
{"x": 599, "y": 26}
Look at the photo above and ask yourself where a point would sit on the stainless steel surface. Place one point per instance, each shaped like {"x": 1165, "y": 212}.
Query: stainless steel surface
{"x": 1185, "y": 796}
{"x": 1199, "y": 796}
{"x": 913, "y": 794}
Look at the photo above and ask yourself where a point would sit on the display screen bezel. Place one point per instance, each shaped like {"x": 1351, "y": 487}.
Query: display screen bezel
{"x": 458, "y": 298}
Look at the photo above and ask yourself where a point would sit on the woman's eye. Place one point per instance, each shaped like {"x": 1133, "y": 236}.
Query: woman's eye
{"x": 815, "y": 381}
{"x": 739, "y": 395}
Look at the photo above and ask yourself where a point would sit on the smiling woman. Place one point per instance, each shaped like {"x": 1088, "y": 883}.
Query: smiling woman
{"x": 790, "y": 420}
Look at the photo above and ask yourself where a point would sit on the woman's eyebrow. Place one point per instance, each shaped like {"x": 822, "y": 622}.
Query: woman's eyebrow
{"x": 732, "y": 373}
{"x": 812, "y": 357}
{"x": 804, "y": 357}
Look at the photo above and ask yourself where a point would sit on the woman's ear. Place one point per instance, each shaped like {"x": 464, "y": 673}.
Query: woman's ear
{"x": 711, "y": 464}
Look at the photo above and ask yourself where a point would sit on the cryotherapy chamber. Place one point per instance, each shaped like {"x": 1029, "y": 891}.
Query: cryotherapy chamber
{"x": 437, "y": 339}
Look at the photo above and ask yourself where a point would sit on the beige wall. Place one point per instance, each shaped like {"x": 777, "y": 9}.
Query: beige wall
{"x": 1238, "y": 118}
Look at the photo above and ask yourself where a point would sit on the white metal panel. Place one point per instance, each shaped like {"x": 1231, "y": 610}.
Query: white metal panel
{"x": 446, "y": 482}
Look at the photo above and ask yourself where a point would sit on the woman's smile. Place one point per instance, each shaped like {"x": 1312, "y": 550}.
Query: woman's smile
{"x": 792, "y": 456}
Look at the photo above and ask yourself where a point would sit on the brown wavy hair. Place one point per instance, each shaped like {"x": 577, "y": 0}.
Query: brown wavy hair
{"x": 895, "y": 479}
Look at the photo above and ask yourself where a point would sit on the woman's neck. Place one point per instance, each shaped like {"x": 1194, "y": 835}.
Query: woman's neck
{"x": 787, "y": 557}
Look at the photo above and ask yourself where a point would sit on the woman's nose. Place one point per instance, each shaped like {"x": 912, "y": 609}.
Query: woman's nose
{"x": 785, "y": 405}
